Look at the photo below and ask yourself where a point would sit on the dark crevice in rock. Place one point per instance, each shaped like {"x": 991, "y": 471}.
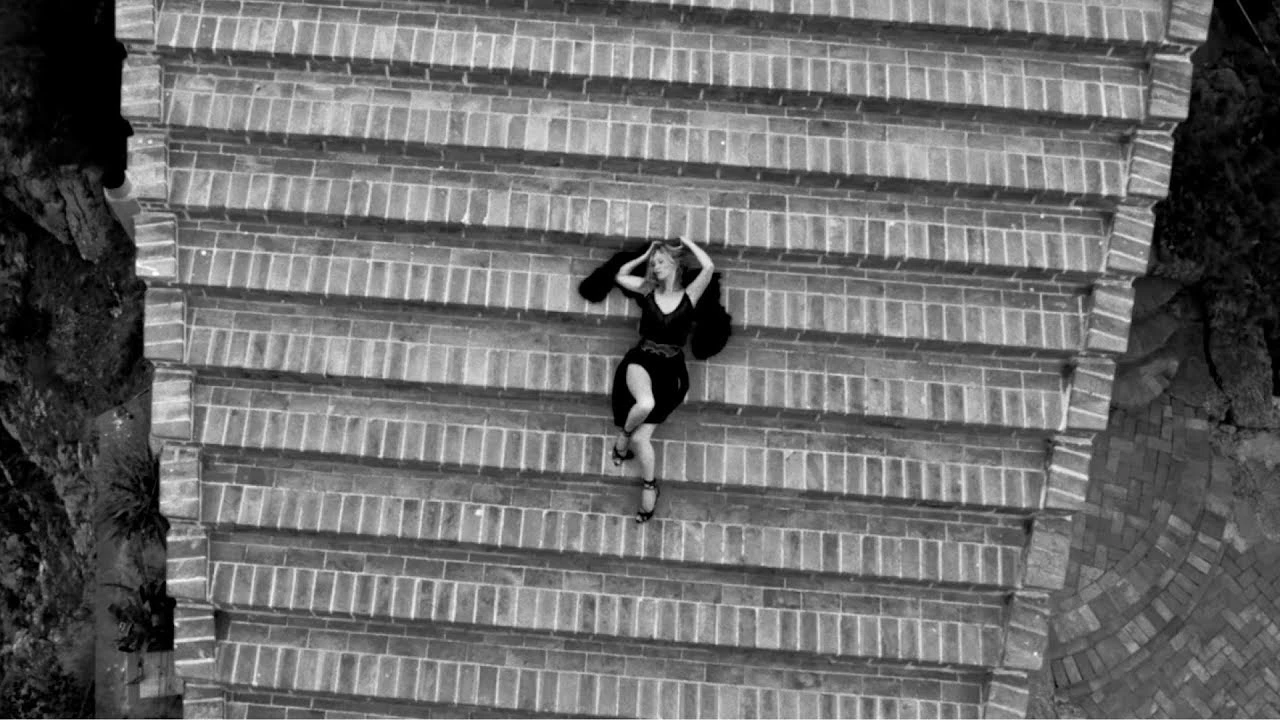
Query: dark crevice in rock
{"x": 1198, "y": 294}
{"x": 1271, "y": 333}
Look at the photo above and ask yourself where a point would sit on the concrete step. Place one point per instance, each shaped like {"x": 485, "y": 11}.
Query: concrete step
{"x": 764, "y": 379}
{"x": 694, "y": 527}
{"x": 883, "y": 230}
{"x": 587, "y": 51}
{"x": 524, "y": 437}
{"x": 502, "y": 276}
{"x": 567, "y": 677}
{"x": 602, "y": 598}
{"x": 878, "y": 151}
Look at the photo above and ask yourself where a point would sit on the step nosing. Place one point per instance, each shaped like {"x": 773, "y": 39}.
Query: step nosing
{"x": 286, "y": 259}
{"x": 260, "y": 700}
{"x": 221, "y": 221}
{"x": 797, "y": 381}
{"x": 873, "y": 165}
{"x": 425, "y": 680}
{"x": 781, "y": 643}
{"x": 846, "y": 69}
{"x": 924, "y": 549}
{"x": 533, "y": 128}
{"x": 564, "y": 652}
{"x": 919, "y": 20}
{"x": 733, "y": 412}
{"x": 820, "y": 312}
{"x": 556, "y": 481}
{"x": 662, "y": 95}
{"x": 887, "y": 235}
{"x": 720, "y": 410}
{"x": 738, "y": 586}
{"x": 1100, "y": 25}
{"x": 898, "y": 584}
{"x": 690, "y": 447}
{"x": 196, "y": 158}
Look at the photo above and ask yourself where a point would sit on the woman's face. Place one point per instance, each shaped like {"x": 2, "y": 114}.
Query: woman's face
{"x": 662, "y": 264}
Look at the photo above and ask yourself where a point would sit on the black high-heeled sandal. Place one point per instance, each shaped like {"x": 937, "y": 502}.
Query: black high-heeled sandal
{"x": 643, "y": 516}
{"x": 619, "y": 458}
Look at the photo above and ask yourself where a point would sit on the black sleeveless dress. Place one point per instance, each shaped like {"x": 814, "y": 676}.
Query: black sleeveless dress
{"x": 661, "y": 353}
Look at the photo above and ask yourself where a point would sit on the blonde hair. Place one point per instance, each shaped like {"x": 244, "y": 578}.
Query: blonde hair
{"x": 678, "y": 254}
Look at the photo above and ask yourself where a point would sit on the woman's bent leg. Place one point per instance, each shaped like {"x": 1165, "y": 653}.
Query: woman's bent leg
{"x": 642, "y": 446}
{"x": 641, "y": 388}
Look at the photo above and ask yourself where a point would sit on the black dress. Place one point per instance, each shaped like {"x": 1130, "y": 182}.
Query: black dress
{"x": 661, "y": 353}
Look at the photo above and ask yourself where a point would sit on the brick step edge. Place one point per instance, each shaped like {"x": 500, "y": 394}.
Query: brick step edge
{"x": 511, "y": 439}
{"x": 261, "y": 339}
{"x": 1087, "y": 169}
{"x": 484, "y": 674}
{"x": 283, "y": 576}
{"x": 993, "y": 562}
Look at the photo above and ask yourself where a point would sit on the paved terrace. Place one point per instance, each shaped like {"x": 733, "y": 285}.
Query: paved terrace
{"x": 381, "y": 404}
{"x": 1162, "y": 615}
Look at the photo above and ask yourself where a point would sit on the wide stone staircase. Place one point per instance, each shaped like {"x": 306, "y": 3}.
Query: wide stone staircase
{"x": 382, "y": 406}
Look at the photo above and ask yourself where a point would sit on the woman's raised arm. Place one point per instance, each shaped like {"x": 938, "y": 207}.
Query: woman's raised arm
{"x": 625, "y": 279}
{"x": 699, "y": 284}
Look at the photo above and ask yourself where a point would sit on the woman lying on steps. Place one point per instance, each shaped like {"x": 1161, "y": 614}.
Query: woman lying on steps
{"x": 652, "y": 379}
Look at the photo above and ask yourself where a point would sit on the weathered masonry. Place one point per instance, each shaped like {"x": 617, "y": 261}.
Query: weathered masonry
{"x": 382, "y": 404}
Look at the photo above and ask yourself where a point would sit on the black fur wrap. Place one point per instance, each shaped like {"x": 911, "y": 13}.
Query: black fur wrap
{"x": 712, "y": 324}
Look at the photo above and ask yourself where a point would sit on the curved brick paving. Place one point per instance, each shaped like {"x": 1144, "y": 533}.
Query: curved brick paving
{"x": 1161, "y": 617}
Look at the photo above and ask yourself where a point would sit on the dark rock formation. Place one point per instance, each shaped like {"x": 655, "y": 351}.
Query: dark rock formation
{"x": 1242, "y": 363}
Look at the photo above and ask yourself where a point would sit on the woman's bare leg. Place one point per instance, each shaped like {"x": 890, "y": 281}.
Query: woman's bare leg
{"x": 642, "y": 446}
{"x": 641, "y": 389}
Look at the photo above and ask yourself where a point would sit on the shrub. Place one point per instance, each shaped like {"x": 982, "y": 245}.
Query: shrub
{"x": 145, "y": 620}
{"x": 35, "y": 685}
{"x": 131, "y": 501}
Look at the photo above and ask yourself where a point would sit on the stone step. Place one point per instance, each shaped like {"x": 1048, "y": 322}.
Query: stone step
{"x": 562, "y": 438}
{"x": 602, "y": 598}
{"x": 768, "y": 300}
{"x": 881, "y": 230}
{"x": 694, "y": 527}
{"x": 733, "y": 142}
{"x": 600, "y": 53}
{"x": 769, "y": 379}
{"x": 568, "y": 677}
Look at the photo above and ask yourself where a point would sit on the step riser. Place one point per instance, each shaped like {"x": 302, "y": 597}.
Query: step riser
{"x": 686, "y": 449}
{"x": 929, "y": 389}
{"x": 732, "y": 144}
{"x": 1096, "y": 26}
{"x": 728, "y": 587}
{"x": 409, "y": 678}
{"x": 868, "y": 311}
{"x": 916, "y": 558}
{"x": 436, "y": 656}
{"x": 964, "y": 110}
{"x": 216, "y": 181}
{"x": 401, "y": 598}
{"x": 251, "y": 704}
{"x": 507, "y": 49}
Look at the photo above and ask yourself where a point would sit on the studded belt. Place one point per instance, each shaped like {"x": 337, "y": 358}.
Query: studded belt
{"x": 660, "y": 349}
